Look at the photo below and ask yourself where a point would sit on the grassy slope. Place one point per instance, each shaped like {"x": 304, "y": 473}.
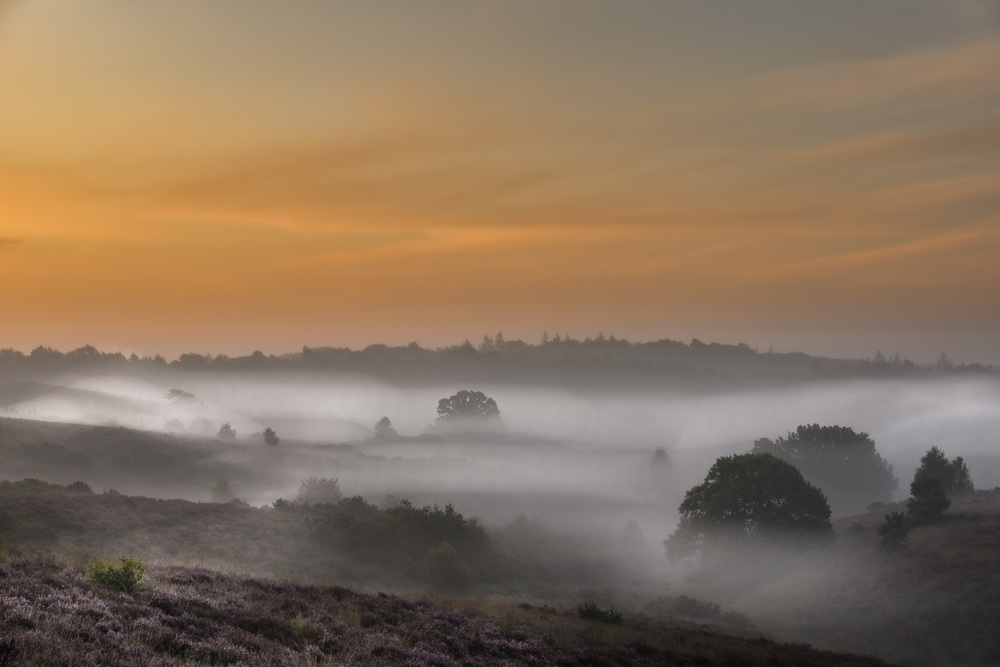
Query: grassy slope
{"x": 51, "y": 616}
{"x": 937, "y": 602}
{"x": 934, "y": 603}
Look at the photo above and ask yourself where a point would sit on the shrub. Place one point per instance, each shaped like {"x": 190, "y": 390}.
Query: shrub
{"x": 126, "y": 577}
{"x": 892, "y": 533}
{"x": 270, "y": 437}
{"x": 222, "y": 491}
{"x": 79, "y": 487}
{"x": 591, "y": 611}
{"x": 226, "y": 432}
{"x": 445, "y": 571}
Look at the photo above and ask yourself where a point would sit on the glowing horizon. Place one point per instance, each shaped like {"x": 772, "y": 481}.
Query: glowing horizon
{"x": 238, "y": 176}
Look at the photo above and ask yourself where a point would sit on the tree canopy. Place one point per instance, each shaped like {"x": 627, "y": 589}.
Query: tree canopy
{"x": 745, "y": 500}
{"x": 467, "y": 405}
{"x": 953, "y": 476}
{"x": 840, "y": 461}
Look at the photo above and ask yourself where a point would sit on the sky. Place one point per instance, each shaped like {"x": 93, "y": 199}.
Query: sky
{"x": 221, "y": 177}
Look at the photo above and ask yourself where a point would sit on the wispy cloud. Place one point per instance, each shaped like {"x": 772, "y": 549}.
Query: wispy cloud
{"x": 976, "y": 139}
{"x": 943, "y": 76}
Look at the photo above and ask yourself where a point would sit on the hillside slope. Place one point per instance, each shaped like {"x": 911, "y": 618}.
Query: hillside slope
{"x": 50, "y": 615}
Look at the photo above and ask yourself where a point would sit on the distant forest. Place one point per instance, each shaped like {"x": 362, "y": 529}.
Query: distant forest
{"x": 557, "y": 360}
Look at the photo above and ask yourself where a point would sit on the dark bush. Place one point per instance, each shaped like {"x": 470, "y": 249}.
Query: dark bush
{"x": 590, "y": 610}
{"x": 892, "y": 533}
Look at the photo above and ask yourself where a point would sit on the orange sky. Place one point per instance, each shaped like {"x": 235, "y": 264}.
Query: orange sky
{"x": 238, "y": 175}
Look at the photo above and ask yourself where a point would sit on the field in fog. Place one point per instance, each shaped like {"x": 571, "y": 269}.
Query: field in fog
{"x": 576, "y": 448}
{"x": 573, "y": 495}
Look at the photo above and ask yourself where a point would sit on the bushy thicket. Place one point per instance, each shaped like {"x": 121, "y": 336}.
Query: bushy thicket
{"x": 591, "y": 611}
{"x": 34, "y": 485}
{"x": 400, "y": 536}
{"x": 126, "y": 577}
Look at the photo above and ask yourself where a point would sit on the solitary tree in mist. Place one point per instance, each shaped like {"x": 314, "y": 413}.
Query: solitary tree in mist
{"x": 468, "y": 405}
{"x": 935, "y": 481}
{"x": 841, "y": 462}
{"x": 270, "y": 437}
{"x": 319, "y": 490}
{"x": 226, "y": 431}
{"x": 180, "y": 396}
{"x": 384, "y": 429}
{"x": 745, "y": 500}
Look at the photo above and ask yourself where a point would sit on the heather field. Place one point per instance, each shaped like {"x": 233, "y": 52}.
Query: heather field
{"x": 194, "y": 616}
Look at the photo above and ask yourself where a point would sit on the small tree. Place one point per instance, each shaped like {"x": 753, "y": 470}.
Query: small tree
{"x": 180, "y": 396}
{"x": 468, "y": 404}
{"x": 893, "y": 531}
{"x": 745, "y": 500}
{"x": 928, "y": 500}
{"x": 384, "y": 429}
{"x": 270, "y": 437}
{"x": 226, "y": 432}
{"x": 953, "y": 476}
{"x": 222, "y": 491}
{"x": 321, "y": 490}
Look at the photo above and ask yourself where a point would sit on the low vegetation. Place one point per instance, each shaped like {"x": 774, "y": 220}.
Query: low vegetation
{"x": 53, "y": 615}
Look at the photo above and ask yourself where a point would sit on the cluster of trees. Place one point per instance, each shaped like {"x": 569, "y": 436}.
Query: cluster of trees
{"x": 430, "y": 542}
{"x": 553, "y": 356}
{"x": 935, "y": 483}
{"x": 841, "y": 462}
{"x": 778, "y": 492}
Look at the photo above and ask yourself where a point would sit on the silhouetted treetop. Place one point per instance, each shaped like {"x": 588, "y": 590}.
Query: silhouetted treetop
{"x": 745, "y": 500}
{"x": 467, "y": 405}
{"x": 840, "y": 461}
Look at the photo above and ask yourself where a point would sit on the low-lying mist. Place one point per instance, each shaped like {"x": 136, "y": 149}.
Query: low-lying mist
{"x": 559, "y": 443}
{"x": 582, "y": 484}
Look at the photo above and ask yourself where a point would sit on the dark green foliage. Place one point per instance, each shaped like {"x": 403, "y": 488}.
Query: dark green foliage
{"x": 590, "y": 610}
{"x": 841, "y": 462}
{"x": 467, "y": 405}
{"x": 397, "y": 537}
{"x": 952, "y": 476}
{"x": 270, "y": 437}
{"x": 126, "y": 577}
{"x": 445, "y": 570}
{"x": 928, "y": 500}
{"x": 893, "y": 531}
{"x": 747, "y": 499}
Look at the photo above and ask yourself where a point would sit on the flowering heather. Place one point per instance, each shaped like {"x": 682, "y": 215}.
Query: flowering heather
{"x": 49, "y": 614}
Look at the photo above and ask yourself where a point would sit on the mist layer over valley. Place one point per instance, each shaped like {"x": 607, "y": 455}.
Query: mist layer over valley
{"x": 567, "y": 496}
